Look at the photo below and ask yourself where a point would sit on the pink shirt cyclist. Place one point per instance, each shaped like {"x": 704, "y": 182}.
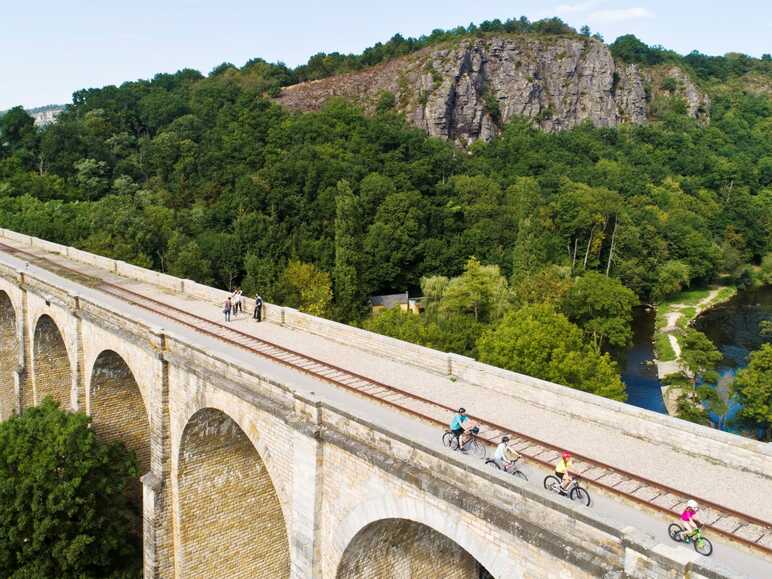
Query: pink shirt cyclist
{"x": 689, "y": 516}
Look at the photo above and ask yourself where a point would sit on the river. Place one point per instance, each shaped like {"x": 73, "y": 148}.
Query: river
{"x": 638, "y": 370}
{"x": 732, "y": 326}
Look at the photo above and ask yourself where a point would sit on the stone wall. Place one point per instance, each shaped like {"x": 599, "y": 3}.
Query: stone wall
{"x": 117, "y": 409}
{"x": 9, "y": 353}
{"x": 51, "y": 363}
{"x": 231, "y": 522}
{"x": 402, "y": 548}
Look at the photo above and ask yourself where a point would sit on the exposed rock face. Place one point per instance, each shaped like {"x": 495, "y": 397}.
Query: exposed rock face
{"x": 466, "y": 90}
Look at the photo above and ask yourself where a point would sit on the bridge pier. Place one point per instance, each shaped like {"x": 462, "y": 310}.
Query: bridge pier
{"x": 307, "y": 459}
{"x": 78, "y": 387}
{"x": 158, "y": 544}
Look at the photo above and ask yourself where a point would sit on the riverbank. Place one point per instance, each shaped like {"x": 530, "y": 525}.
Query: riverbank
{"x": 672, "y": 319}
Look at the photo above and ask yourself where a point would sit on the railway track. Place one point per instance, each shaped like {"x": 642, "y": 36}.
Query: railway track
{"x": 737, "y": 526}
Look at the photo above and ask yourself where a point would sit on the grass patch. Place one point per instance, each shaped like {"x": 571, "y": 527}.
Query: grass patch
{"x": 689, "y": 297}
{"x": 660, "y": 321}
{"x": 678, "y": 379}
{"x": 724, "y": 294}
{"x": 663, "y": 349}
{"x": 687, "y": 315}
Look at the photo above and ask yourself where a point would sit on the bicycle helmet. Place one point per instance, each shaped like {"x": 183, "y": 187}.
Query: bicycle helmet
{"x": 462, "y": 410}
{"x": 505, "y": 439}
{"x": 692, "y": 504}
{"x": 566, "y": 454}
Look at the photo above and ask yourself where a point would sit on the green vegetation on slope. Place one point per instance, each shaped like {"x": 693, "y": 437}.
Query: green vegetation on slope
{"x": 206, "y": 178}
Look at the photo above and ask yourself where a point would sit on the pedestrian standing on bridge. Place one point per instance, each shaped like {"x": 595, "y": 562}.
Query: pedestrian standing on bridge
{"x": 235, "y": 303}
{"x": 226, "y": 309}
{"x": 258, "y": 315}
{"x": 241, "y": 300}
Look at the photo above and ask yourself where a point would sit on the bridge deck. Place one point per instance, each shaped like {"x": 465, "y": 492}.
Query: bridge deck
{"x": 742, "y": 491}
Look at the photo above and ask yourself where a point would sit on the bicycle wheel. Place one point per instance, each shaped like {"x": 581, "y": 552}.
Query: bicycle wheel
{"x": 703, "y": 546}
{"x": 552, "y": 483}
{"x": 478, "y": 449}
{"x": 580, "y": 495}
{"x": 447, "y": 439}
{"x": 675, "y": 530}
{"x": 492, "y": 463}
{"x": 520, "y": 474}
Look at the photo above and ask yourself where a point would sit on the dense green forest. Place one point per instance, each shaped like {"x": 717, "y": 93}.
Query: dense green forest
{"x": 206, "y": 178}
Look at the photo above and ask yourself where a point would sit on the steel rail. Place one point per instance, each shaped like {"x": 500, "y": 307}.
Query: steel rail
{"x": 136, "y": 298}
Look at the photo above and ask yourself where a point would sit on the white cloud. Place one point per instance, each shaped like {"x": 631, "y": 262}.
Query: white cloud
{"x": 619, "y": 15}
{"x": 564, "y": 9}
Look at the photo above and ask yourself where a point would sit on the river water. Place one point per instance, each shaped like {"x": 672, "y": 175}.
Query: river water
{"x": 733, "y": 327}
{"x": 637, "y": 364}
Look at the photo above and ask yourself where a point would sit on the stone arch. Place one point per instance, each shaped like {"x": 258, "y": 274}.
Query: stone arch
{"x": 231, "y": 522}
{"x": 9, "y": 356}
{"x": 118, "y": 411}
{"x": 51, "y": 363}
{"x": 403, "y": 537}
{"x": 118, "y": 414}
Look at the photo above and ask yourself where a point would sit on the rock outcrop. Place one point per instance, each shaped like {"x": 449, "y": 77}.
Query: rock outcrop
{"x": 466, "y": 90}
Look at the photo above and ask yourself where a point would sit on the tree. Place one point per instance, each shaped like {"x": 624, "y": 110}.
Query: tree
{"x": 603, "y": 308}
{"x": 17, "y": 130}
{"x": 481, "y": 291}
{"x": 391, "y": 244}
{"x": 64, "y": 507}
{"x": 90, "y": 176}
{"x": 753, "y": 387}
{"x": 547, "y": 286}
{"x": 186, "y": 260}
{"x": 538, "y": 341}
{"x": 304, "y": 287}
{"x": 688, "y": 409}
{"x": 700, "y": 356}
{"x": 260, "y": 277}
{"x": 672, "y": 277}
{"x": 348, "y": 288}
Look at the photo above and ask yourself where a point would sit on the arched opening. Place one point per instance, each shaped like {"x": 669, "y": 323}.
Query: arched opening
{"x": 117, "y": 408}
{"x": 51, "y": 364}
{"x": 9, "y": 352}
{"x": 231, "y": 522}
{"x": 118, "y": 414}
{"x": 400, "y": 548}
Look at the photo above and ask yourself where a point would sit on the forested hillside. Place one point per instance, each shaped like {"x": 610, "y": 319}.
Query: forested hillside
{"x": 207, "y": 178}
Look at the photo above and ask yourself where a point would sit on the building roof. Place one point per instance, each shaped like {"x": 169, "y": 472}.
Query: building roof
{"x": 389, "y": 300}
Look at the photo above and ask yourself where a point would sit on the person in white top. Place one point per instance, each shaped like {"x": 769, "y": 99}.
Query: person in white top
{"x": 505, "y": 455}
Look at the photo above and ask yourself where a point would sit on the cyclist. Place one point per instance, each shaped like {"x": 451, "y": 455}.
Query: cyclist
{"x": 689, "y": 517}
{"x": 563, "y": 470}
{"x": 457, "y": 426}
{"x": 505, "y": 455}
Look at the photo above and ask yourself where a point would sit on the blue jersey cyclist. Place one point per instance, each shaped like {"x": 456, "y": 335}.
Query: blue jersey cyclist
{"x": 457, "y": 426}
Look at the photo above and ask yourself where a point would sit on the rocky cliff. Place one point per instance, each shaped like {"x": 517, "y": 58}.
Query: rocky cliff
{"x": 468, "y": 89}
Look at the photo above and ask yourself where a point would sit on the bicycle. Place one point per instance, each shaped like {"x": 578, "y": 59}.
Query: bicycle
{"x": 575, "y": 491}
{"x": 472, "y": 445}
{"x": 509, "y": 467}
{"x": 702, "y": 545}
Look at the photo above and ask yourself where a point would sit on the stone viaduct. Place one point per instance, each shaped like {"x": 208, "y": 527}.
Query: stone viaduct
{"x": 249, "y": 471}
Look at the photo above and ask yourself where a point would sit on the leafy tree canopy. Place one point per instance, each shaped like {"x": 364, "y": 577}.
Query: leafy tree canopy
{"x": 538, "y": 341}
{"x": 753, "y": 388}
{"x": 64, "y": 510}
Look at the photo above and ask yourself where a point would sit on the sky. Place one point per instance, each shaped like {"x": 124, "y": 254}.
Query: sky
{"x": 50, "y": 49}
